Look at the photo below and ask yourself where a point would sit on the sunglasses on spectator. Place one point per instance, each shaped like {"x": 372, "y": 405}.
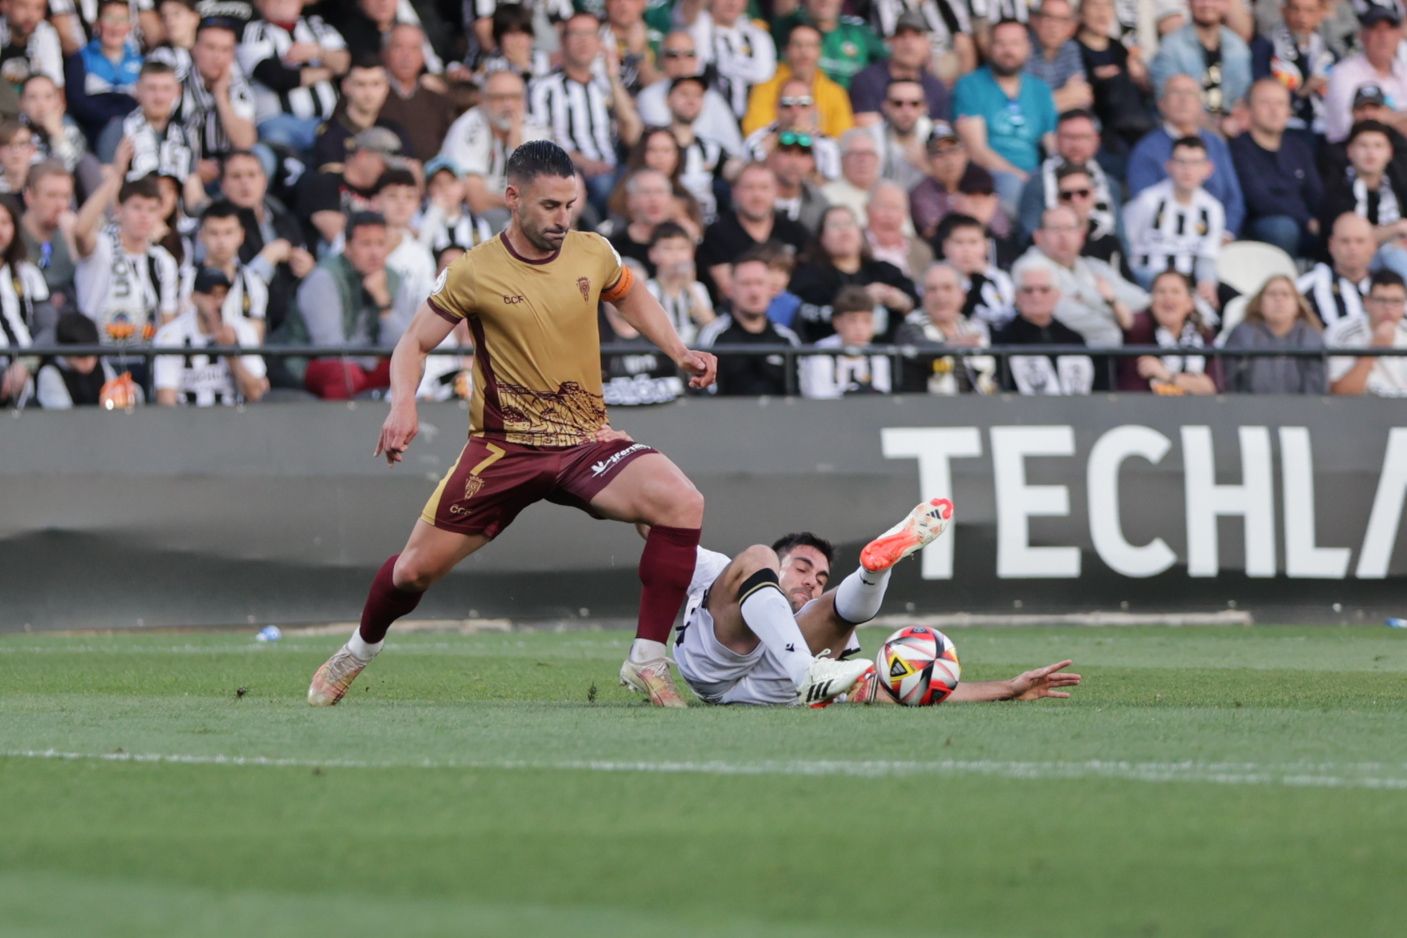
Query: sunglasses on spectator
{"x": 1070, "y": 195}
{"x": 803, "y": 101}
{"x": 790, "y": 138}
{"x": 679, "y": 53}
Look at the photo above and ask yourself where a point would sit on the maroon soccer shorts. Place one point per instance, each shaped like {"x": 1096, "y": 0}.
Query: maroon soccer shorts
{"x": 494, "y": 480}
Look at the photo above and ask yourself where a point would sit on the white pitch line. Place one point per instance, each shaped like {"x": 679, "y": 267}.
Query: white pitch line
{"x": 1290, "y": 775}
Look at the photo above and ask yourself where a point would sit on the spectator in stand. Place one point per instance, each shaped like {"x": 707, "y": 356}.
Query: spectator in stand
{"x": 1212, "y": 54}
{"x": 781, "y": 264}
{"x": 29, "y": 45}
{"x": 48, "y": 211}
{"x": 56, "y": 136}
{"x": 217, "y": 103}
{"x": 1295, "y": 54}
{"x": 1383, "y": 327}
{"x": 1378, "y": 64}
{"x": 1037, "y": 295}
{"x": 1371, "y": 189}
{"x": 218, "y": 242}
{"x": 68, "y": 381}
{"x": 802, "y": 62}
{"x": 707, "y": 164}
{"x": 1004, "y": 115}
{"x": 1095, "y": 300}
{"x": 859, "y": 171}
{"x": 1280, "y": 182}
{"x": 1277, "y": 317}
{"x": 370, "y": 26}
{"x": 1118, "y": 79}
{"x": 754, "y": 221}
{"x": 1075, "y": 189}
{"x": 825, "y": 376}
{"x": 681, "y": 60}
{"x": 1335, "y": 290}
{"x": 649, "y": 204}
{"x": 198, "y": 379}
{"x": 988, "y": 293}
{"x": 948, "y": 33}
{"x": 481, "y": 139}
{"x": 293, "y": 61}
{"x": 17, "y": 155}
{"x": 159, "y": 140}
{"x": 1369, "y": 104}
{"x": 100, "y": 79}
{"x": 352, "y": 299}
{"x": 793, "y": 163}
{"x": 839, "y": 257}
{"x": 847, "y": 42}
{"x": 397, "y": 200}
{"x": 888, "y": 233}
{"x": 364, "y": 92}
{"x": 750, "y": 293}
{"x": 514, "y": 47}
{"x": 179, "y": 21}
{"x": 414, "y": 104}
{"x": 576, "y": 91}
{"x": 1176, "y": 224}
{"x": 1170, "y": 322}
{"x": 797, "y": 113}
{"x": 910, "y": 55}
{"x": 941, "y": 323}
{"x": 675, "y": 283}
{"x": 977, "y": 198}
{"x": 1181, "y": 108}
{"x": 739, "y": 51}
{"x": 273, "y": 246}
{"x": 931, "y": 199}
{"x": 1076, "y": 145}
{"x": 903, "y": 137}
{"x": 327, "y": 197}
{"x": 630, "y": 42}
{"x": 1057, "y": 60}
{"x": 78, "y": 20}
{"x": 658, "y": 149}
{"x": 25, "y": 311}
{"x": 447, "y": 220}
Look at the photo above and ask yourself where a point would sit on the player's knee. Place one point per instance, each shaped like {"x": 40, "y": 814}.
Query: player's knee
{"x": 686, "y": 505}
{"x": 413, "y": 574}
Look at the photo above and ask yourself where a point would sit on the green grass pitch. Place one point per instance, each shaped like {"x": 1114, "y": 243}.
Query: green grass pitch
{"x": 1228, "y": 782}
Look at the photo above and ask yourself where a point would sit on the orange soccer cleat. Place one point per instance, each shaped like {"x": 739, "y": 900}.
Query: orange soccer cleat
{"x": 922, "y": 527}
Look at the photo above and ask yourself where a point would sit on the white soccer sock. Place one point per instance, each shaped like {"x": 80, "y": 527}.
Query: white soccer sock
{"x": 860, "y": 595}
{"x": 769, "y": 616}
{"x": 644, "y": 649}
{"x": 361, "y": 648}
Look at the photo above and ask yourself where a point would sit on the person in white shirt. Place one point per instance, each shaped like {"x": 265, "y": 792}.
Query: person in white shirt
{"x": 200, "y": 379}
{"x": 294, "y": 70}
{"x": 740, "y": 51}
{"x": 1176, "y": 224}
{"x": 1095, "y": 300}
{"x": 159, "y": 138}
{"x": 681, "y": 60}
{"x": 219, "y": 239}
{"x": 480, "y": 141}
{"x": 24, "y": 25}
{"x": 825, "y": 376}
{"x": 447, "y": 219}
{"x": 1336, "y": 290}
{"x": 397, "y": 199}
{"x": 1384, "y": 326}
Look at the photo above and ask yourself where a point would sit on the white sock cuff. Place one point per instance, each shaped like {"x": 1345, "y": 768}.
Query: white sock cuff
{"x": 363, "y": 649}
{"x": 859, "y": 596}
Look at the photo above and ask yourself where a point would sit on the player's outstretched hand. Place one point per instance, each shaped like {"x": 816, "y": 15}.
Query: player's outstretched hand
{"x": 609, "y": 434}
{"x": 401, "y": 426}
{"x": 702, "y": 368}
{"x": 1044, "y": 682}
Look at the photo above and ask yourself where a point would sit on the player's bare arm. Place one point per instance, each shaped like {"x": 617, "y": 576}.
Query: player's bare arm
{"x": 640, "y": 308}
{"x": 1029, "y": 685}
{"x": 425, "y": 332}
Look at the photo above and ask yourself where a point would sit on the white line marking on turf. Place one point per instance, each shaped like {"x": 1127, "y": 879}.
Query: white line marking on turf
{"x": 1289, "y": 775}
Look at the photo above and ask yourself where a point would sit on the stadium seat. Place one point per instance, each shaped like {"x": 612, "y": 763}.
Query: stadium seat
{"x": 1246, "y": 265}
{"x": 1233, "y": 312}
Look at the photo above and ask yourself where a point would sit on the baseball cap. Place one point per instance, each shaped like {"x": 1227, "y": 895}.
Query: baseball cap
{"x": 1380, "y": 12}
{"x": 208, "y": 280}
{"x": 976, "y": 181}
{"x": 910, "y": 19}
{"x": 1369, "y": 94}
{"x": 377, "y": 140}
{"x": 941, "y": 133}
{"x": 443, "y": 164}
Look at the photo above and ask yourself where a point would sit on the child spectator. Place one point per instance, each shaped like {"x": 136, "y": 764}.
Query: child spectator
{"x": 824, "y": 376}
{"x": 397, "y": 200}
{"x": 218, "y": 242}
{"x": 448, "y": 221}
{"x": 100, "y": 79}
{"x": 68, "y": 381}
{"x": 675, "y": 283}
{"x": 1175, "y": 224}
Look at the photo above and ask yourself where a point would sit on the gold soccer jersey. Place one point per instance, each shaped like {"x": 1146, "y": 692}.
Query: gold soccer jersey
{"x": 537, "y": 349}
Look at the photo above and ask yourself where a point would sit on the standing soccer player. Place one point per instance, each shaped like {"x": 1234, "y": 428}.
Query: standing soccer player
{"x": 537, "y": 427}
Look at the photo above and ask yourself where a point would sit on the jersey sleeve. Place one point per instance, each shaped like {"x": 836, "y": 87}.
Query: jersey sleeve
{"x": 618, "y": 279}
{"x": 452, "y": 296}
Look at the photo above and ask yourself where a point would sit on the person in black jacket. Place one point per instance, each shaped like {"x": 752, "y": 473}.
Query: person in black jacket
{"x": 274, "y": 246}
{"x": 1278, "y": 177}
{"x": 1037, "y": 295}
{"x": 1371, "y": 188}
{"x": 747, "y": 324}
{"x": 838, "y": 257}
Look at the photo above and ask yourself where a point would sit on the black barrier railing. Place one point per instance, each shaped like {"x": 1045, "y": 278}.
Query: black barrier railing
{"x": 897, "y": 354}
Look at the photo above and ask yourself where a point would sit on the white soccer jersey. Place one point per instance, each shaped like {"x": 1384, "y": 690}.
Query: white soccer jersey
{"x": 994, "y": 10}
{"x": 1164, "y": 234}
{"x": 823, "y": 376}
{"x": 945, "y": 18}
{"x": 990, "y": 297}
{"x": 577, "y": 114}
{"x": 1332, "y": 296}
{"x": 204, "y": 129}
{"x": 437, "y": 232}
{"x": 20, "y": 289}
{"x": 264, "y": 41}
{"x": 703, "y": 163}
{"x": 166, "y": 152}
{"x": 248, "y": 298}
{"x": 742, "y": 55}
{"x": 126, "y": 294}
{"x": 676, "y": 306}
{"x": 43, "y": 54}
{"x": 198, "y": 379}
{"x": 1389, "y": 375}
{"x": 476, "y": 149}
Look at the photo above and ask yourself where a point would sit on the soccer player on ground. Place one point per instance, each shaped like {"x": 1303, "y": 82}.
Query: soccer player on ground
{"x": 749, "y": 618}
{"x": 538, "y": 423}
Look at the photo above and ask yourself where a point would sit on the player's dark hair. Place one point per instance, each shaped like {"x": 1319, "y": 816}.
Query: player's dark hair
{"x": 538, "y": 158}
{"x": 785, "y": 545}
{"x": 1190, "y": 142}
{"x": 851, "y": 299}
{"x": 956, "y": 221}
{"x": 220, "y": 208}
{"x": 669, "y": 229}
{"x": 145, "y": 188}
{"x": 156, "y": 67}
{"x": 1386, "y": 278}
{"x": 394, "y": 177}
{"x": 364, "y": 220}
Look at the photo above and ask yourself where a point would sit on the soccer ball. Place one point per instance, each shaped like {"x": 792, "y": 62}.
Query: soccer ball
{"x": 918, "y": 666}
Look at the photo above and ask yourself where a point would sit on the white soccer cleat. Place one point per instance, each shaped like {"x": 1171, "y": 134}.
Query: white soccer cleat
{"x": 827, "y": 679}
{"x": 331, "y": 681}
{"x": 922, "y": 527}
{"x": 652, "y": 678}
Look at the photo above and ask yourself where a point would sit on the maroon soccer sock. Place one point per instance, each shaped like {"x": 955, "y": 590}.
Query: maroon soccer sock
{"x": 666, "y": 567}
{"x": 385, "y": 603}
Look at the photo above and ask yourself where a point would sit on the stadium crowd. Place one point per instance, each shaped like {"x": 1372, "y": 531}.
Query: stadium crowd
{"x": 940, "y": 174}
